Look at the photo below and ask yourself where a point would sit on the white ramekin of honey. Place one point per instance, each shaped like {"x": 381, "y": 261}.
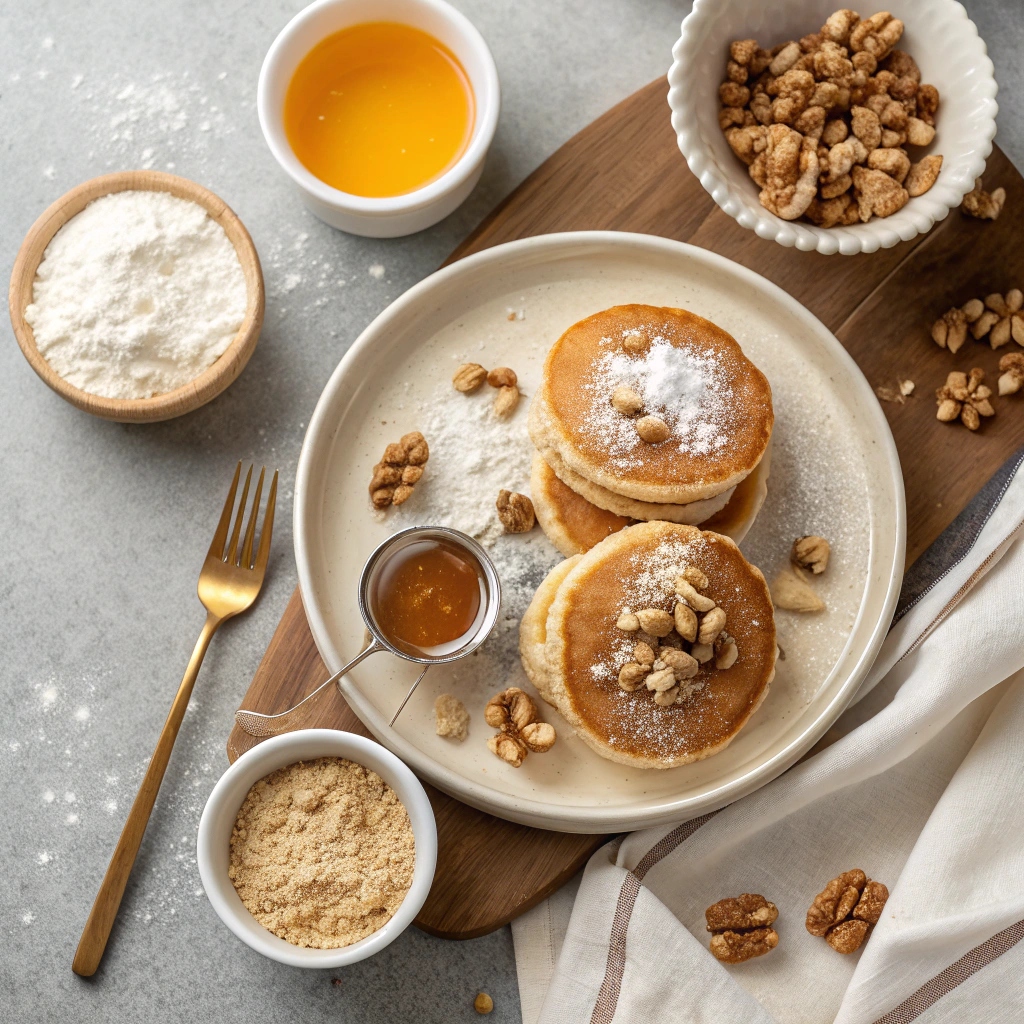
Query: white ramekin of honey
{"x": 380, "y": 111}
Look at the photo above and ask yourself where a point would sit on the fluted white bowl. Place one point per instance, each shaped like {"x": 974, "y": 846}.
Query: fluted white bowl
{"x": 938, "y": 35}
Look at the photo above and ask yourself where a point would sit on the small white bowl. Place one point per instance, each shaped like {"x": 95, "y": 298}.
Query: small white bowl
{"x": 938, "y": 35}
{"x": 391, "y": 216}
{"x": 213, "y": 845}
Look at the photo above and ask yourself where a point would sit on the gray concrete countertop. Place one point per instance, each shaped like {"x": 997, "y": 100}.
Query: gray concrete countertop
{"x": 104, "y": 526}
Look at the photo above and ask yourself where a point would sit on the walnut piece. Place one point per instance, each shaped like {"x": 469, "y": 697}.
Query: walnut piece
{"x": 984, "y": 205}
{"x": 794, "y": 594}
{"x": 963, "y": 397}
{"x": 506, "y": 400}
{"x": 399, "y": 470}
{"x": 452, "y": 717}
{"x": 741, "y": 927}
{"x": 469, "y": 377}
{"x": 812, "y": 553}
{"x": 515, "y": 512}
{"x": 626, "y": 401}
{"x": 821, "y": 122}
{"x": 514, "y": 714}
{"x": 1011, "y": 367}
{"x": 655, "y": 621}
{"x": 844, "y": 911}
{"x": 502, "y": 377}
{"x": 652, "y": 429}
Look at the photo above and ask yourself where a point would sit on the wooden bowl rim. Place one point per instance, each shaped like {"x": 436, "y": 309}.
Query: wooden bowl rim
{"x": 198, "y": 391}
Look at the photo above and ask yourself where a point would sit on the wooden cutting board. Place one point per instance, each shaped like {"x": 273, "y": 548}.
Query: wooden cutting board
{"x": 624, "y": 172}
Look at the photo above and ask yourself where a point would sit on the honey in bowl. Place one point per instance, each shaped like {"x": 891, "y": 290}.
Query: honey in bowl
{"x": 379, "y": 109}
{"x": 428, "y": 596}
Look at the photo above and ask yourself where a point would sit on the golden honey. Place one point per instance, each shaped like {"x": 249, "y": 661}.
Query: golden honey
{"x": 427, "y": 594}
{"x": 379, "y": 109}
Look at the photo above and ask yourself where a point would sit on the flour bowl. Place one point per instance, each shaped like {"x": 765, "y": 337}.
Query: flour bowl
{"x": 213, "y": 844}
{"x": 198, "y": 391}
{"x": 938, "y": 35}
{"x": 390, "y": 216}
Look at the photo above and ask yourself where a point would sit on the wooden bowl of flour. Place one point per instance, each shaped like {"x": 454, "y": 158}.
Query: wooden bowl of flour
{"x": 201, "y": 389}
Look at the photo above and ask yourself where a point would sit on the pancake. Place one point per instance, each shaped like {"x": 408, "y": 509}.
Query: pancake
{"x": 533, "y": 631}
{"x": 636, "y": 568}
{"x": 688, "y": 372}
{"x": 574, "y": 525}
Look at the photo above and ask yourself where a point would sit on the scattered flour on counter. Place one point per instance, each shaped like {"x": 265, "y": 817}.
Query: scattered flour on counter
{"x": 376, "y": 271}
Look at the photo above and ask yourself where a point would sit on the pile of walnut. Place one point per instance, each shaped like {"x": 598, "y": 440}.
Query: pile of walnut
{"x": 1001, "y": 317}
{"x": 660, "y": 659}
{"x": 791, "y": 589}
{"x": 398, "y": 472}
{"x": 963, "y": 397}
{"x": 741, "y": 927}
{"x": 470, "y": 377}
{"x": 821, "y": 122}
{"x": 845, "y": 909}
{"x": 513, "y": 713}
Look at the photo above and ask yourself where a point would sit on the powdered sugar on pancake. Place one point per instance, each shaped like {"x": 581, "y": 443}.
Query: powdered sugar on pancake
{"x": 683, "y": 386}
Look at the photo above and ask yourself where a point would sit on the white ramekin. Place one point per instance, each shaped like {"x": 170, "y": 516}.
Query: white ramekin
{"x": 938, "y": 35}
{"x": 213, "y": 845}
{"x": 394, "y": 215}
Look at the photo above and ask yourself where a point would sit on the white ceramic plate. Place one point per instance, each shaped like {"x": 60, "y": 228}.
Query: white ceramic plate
{"x": 835, "y": 472}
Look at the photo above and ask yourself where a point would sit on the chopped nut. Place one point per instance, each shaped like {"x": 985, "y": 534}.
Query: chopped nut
{"x": 877, "y": 34}
{"x": 726, "y": 653}
{"x": 655, "y": 621}
{"x": 877, "y": 193}
{"x": 811, "y": 552}
{"x": 626, "y": 401}
{"x": 741, "y": 927}
{"x": 791, "y": 167}
{"x": 950, "y": 330}
{"x": 965, "y": 398}
{"x": 845, "y": 909}
{"x": 923, "y": 175}
{"x": 663, "y": 679}
{"x": 469, "y": 377}
{"x": 1012, "y": 368}
{"x": 411, "y": 475}
{"x": 635, "y": 343}
{"x": 702, "y": 653}
{"x": 452, "y": 718}
{"x": 652, "y": 429}
{"x": 514, "y": 713}
{"x": 515, "y": 512}
{"x": 984, "y": 205}
{"x": 628, "y": 622}
{"x": 400, "y": 468}
{"x": 414, "y": 445}
{"x": 506, "y": 400}
{"x": 502, "y": 377}
{"x": 644, "y": 654}
{"x": 794, "y": 594}
{"x": 666, "y": 698}
{"x": 711, "y": 625}
{"x": 483, "y": 1003}
{"x": 685, "y": 590}
{"x": 683, "y": 665}
{"x": 686, "y": 621}
{"x": 907, "y": 388}
{"x": 632, "y": 675}
{"x": 403, "y": 492}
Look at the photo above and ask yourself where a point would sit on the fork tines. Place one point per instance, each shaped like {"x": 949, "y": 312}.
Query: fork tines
{"x": 228, "y": 550}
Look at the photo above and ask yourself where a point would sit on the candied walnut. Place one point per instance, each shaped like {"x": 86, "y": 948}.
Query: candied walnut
{"x": 846, "y": 909}
{"x": 891, "y": 139}
{"x": 833, "y": 188}
{"x": 824, "y": 911}
{"x": 834, "y": 132}
{"x": 831, "y": 63}
{"x": 729, "y": 117}
{"x": 1011, "y": 368}
{"x": 844, "y": 155}
{"x": 736, "y": 73}
{"x": 839, "y": 25}
{"x": 515, "y": 512}
{"x": 514, "y": 714}
{"x": 741, "y": 927}
{"x": 866, "y": 126}
{"x": 811, "y": 552}
{"x": 793, "y": 593}
{"x": 848, "y": 936}
{"x": 877, "y": 35}
{"x": 469, "y": 377}
{"x": 827, "y": 213}
{"x": 792, "y": 173}
{"x": 893, "y": 162}
{"x": 399, "y": 470}
{"x": 923, "y": 175}
{"x": 811, "y": 123}
{"x": 902, "y": 65}
{"x": 964, "y": 397}
{"x": 733, "y": 95}
{"x": 761, "y": 108}
{"x": 826, "y": 95}
{"x": 792, "y": 92}
{"x": 927, "y": 103}
{"x": 785, "y": 59}
{"x": 919, "y": 133}
{"x": 984, "y": 205}
{"x": 877, "y": 194}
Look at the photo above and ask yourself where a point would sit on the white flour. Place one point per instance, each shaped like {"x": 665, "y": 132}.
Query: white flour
{"x": 137, "y": 295}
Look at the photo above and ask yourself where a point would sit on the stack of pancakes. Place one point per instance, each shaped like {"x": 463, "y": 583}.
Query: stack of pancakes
{"x": 577, "y": 636}
{"x": 593, "y": 474}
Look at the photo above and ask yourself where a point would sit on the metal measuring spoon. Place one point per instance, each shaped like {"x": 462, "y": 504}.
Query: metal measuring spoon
{"x": 260, "y": 725}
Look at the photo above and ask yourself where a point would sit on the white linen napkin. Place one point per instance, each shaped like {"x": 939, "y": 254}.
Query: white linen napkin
{"x": 924, "y": 792}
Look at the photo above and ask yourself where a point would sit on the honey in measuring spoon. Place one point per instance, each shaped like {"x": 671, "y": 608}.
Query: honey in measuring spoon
{"x": 379, "y": 109}
{"x": 427, "y": 596}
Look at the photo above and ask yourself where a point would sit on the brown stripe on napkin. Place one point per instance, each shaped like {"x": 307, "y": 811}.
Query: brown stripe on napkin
{"x": 615, "y": 966}
{"x": 954, "y": 975}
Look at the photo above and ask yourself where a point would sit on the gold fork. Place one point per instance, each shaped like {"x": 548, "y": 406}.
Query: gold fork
{"x": 228, "y": 584}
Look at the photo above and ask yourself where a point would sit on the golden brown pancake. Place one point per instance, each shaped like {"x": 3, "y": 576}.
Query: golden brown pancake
{"x": 574, "y": 525}
{"x": 533, "y": 631}
{"x": 636, "y": 568}
{"x": 689, "y": 372}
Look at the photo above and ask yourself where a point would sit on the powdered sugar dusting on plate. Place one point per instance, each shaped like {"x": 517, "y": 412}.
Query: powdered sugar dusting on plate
{"x": 683, "y": 386}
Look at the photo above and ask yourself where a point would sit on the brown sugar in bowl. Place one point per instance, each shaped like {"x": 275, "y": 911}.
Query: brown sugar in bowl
{"x": 198, "y": 391}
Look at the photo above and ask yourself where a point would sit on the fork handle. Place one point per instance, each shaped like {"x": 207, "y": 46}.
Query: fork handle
{"x": 104, "y": 910}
